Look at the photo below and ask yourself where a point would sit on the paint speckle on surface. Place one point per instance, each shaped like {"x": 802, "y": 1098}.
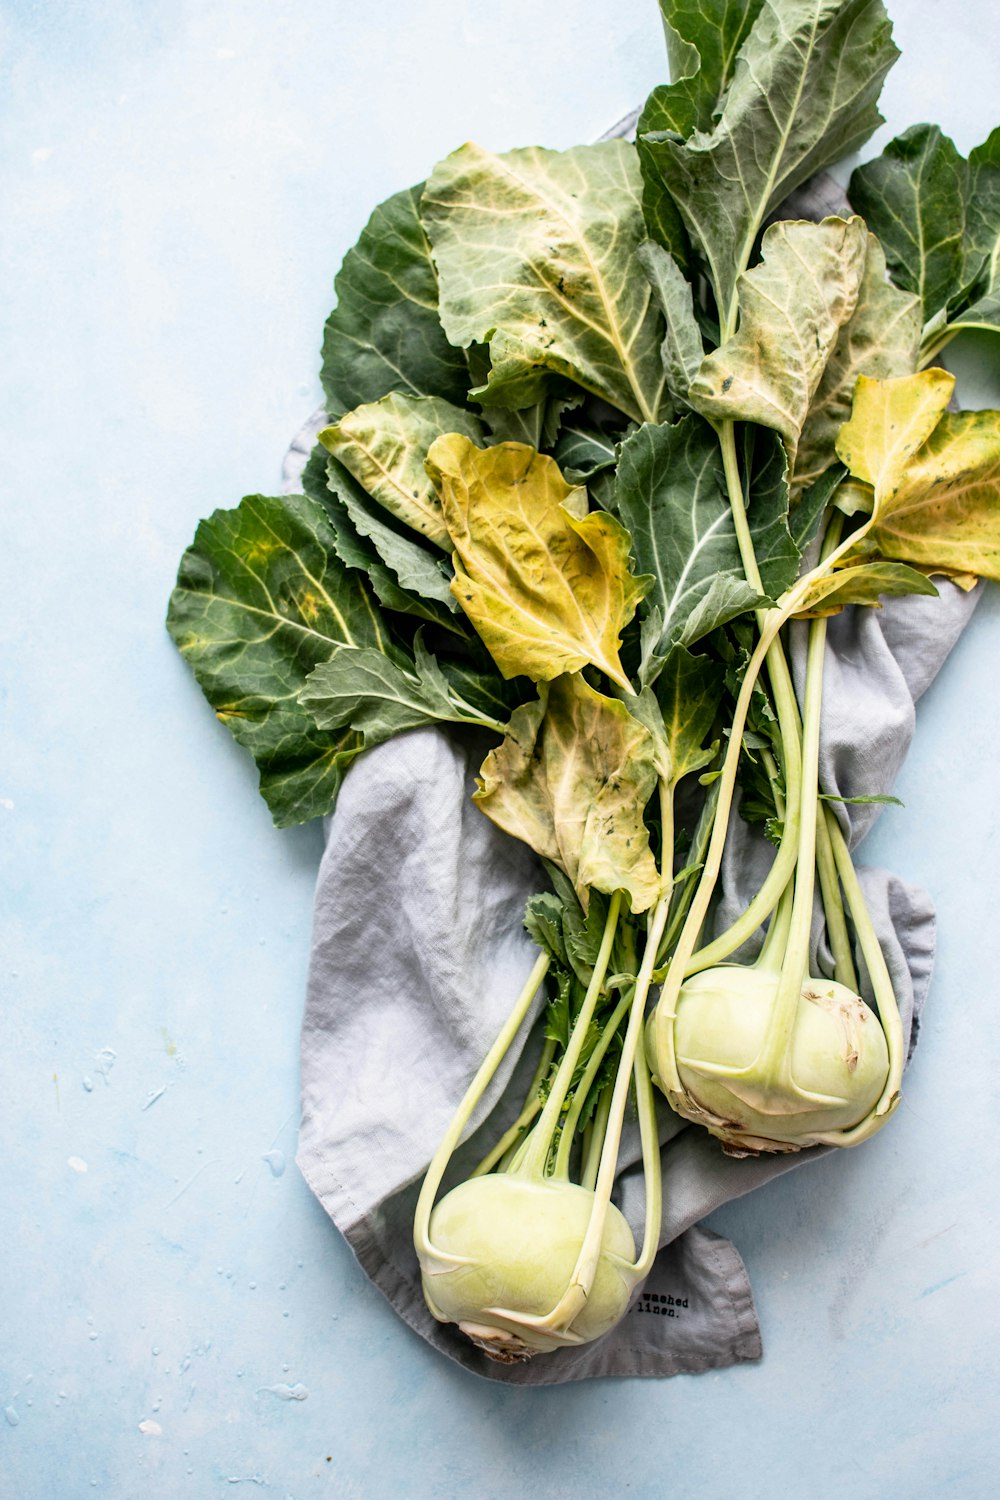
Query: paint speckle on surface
{"x": 285, "y": 1392}
{"x": 153, "y": 1095}
{"x": 276, "y": 1161}
{"x": 38, "y": 156}
{"x": 7, "y": 804}
{"x": 104, "y": 1061}
{"x": 12, "y": 1417}
{"x": 169, "y": 1045}
{"x": 55, "y": 1084}
{"x": 88, "y": 1083}
{"x": 150, "y": 1428}
{"x": 77, "y": 1163}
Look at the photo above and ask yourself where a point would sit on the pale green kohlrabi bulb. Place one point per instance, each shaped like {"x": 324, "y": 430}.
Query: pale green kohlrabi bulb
{"x": 504, "y": 1252}
{"x": 825, "y": 1074}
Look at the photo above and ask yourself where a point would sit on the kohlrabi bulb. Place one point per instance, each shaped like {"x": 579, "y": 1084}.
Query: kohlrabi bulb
{"x": 504, "y": 1251}
{"x": 825, "y": 1076}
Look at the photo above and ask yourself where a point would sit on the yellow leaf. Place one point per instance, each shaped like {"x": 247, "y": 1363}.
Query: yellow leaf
{"x": 571, "y": 779}
{"x": 546, "y": 584}
{"x": 890, "y": 420}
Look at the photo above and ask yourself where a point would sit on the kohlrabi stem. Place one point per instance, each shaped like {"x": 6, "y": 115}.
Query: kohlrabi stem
{"x": 599, "y": 1129}
{"x": 930, "y": 354}
{"x": 885, "y": 995}
{"x": 585, "y": 1270}
{"x": 532, "y": 1105}
{"x": 533, "y": 1162}
{"x": 586, "y": 1083}
{"x": 772, "y": 952}
{"x": 774, "y": 1058}
{"x": 473, "y": 1094}
{"x": 833, "y": 906}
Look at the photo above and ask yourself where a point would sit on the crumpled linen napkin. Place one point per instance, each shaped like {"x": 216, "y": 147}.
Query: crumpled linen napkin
{"x": 418, "y": 953}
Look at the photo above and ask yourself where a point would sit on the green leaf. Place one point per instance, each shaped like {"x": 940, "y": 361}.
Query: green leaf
{"x": 260, "y": 600}
{"x": 417, "y": 570}
{"x": 983, "y": 237}
{"x": 792, "y": 308}
{"x": 582, "y": 451}
{"x": 914, "y": 197}
{"x": 362, "y": 689}
{"x": 863, "y": 583}
{"x": 682, "y": 350}
{"x": 803, "y": 95}
{"x": 543, "y": 921}
{"x": 881, "y": 339}
{"x": 571, "y": 779}
{"x": 546, "y": 584}
{"x": 670, "y": 493}
{"x": 384, "y": 446}
{"x": 689, "y": 691}
{"x": 766, "y": 499}
{"x": 881, "y": 799}
{"x": 703, "y": 40}
{"x": 536, "y": 253}
{"x": 384, "y": 334}
{"x": 805, "y": 517}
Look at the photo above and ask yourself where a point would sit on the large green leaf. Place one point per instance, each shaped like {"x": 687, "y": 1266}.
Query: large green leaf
{"x": 803, "y": 94}
{"x": 670, "y": 492}
{"x": 546, "y": 584}
{"x": 935, "y": 474}
{"x": 536, "y": 253}
{"x": 881, "y": 340}
{"x": 914, "y": 197}
{"x": 260, "y": 600}
{"x": 689, "y": 690}
{"x": 363, "y": 689}
{"x": 384, "y": 446}
{"x": 572, "y": 778}
{"x": 384, "y": 333}
{"x": 792, "y": 307}
{"x": 703, "y": 39}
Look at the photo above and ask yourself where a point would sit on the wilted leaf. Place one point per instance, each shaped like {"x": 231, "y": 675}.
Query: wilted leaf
{"x": 881, "y": 340}
{"x": 546, "y": 584}
{"x": 571, "y": 779}
{"x": 864, "y": 583}
{"x": 384, "y": 446}
{"x": 792, "y": 308}
{"x": 890, "y": 421}
{"x": 384, "y": 334}
{"x": 536, "y": 253}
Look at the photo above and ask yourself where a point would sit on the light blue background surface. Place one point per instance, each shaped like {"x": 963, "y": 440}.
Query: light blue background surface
{"x": 180, "y": 181}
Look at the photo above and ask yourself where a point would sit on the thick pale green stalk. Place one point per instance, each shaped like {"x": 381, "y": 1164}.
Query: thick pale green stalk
{"x": 532, "y": 1105}
{"x": 473, "y": 1094}
{"x": 583, "y": 1088}
{"x": 833, "y": 907}
{"x": 885, "y": 996}
{"x": 598, "y": 1130}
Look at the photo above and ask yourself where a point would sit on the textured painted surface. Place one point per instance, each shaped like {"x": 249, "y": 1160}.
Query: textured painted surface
{"x": 178, "y": 1317}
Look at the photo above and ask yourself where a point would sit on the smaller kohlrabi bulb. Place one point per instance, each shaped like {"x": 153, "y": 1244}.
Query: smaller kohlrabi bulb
{"x": 504, "y": 1252}
{"x": 825, "y": 1075}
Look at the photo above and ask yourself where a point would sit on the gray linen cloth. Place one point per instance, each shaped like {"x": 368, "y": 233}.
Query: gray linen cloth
{"x": 418, "y": 953}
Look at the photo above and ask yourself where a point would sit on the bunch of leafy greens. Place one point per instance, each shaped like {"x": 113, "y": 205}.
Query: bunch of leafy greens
{"x": 589, "y": 413}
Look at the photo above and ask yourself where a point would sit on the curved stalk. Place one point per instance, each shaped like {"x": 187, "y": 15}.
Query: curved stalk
{"x": 598, "y": 1130}
{"x": 532, "y": 1105}
{"x": 473, "y": 1094}
{"x": 533, "y": 1162}
{"x": 561, "y": 1168}
{"x": 833, "y": 906}
{"x": 885, "y": 996}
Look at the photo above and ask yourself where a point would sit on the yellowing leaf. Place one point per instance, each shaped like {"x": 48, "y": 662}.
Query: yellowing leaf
{"x": 890, "y": 420}
{"x": 864, "y": 583}
{"x": 935, "y": 475}
{"x": 881, "y": 339}
{"x": 945, "y": 512}
{"x": 384, "y": 445}
{"x": 572, "y": 778}
{"x": 792, "y": 308}
{"x": 546, "y": 584}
